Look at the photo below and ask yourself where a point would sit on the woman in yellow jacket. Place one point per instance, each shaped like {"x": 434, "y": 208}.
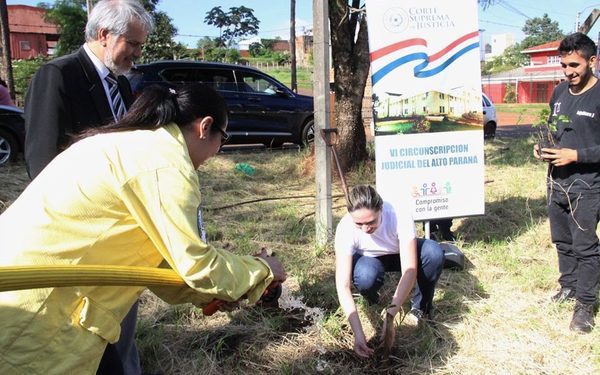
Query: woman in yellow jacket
{"x": 126, "y": 194}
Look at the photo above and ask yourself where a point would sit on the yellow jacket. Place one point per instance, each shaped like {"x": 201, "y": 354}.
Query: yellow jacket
{"x": 128, "y": 199}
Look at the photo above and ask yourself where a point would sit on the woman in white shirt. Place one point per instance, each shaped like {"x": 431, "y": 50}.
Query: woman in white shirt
{"x": 376, "y": 237}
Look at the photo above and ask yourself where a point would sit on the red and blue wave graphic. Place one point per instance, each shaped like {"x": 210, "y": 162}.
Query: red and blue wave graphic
{"x": 446, "y": 56}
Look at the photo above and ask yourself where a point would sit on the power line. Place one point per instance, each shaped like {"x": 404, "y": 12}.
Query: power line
{"x": 501, "y": 24}
{"x": 507, "y": 6}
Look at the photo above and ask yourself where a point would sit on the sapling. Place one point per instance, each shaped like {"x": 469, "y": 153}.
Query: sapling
{"x": 546, "y": 130}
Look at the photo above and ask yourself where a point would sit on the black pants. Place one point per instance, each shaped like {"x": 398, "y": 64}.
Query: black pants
{"x": 121, "y": 358}
{"x": 573, "y": 221}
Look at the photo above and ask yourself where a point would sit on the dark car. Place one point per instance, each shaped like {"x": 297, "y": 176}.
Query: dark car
{"x": 261, "y": 109}
{"x": 12, "y": 133}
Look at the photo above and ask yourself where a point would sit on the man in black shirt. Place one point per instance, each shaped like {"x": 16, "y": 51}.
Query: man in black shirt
{"x": 574, "y": 178}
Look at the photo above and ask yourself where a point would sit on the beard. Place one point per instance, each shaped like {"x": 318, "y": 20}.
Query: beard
{"x": 110, "y": 63}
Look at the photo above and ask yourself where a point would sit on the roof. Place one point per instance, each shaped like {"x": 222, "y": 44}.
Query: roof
{"x": 550, "y": 46}
{"x": 28, "y": 19}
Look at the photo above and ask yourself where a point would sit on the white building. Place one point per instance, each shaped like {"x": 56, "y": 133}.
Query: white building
{"x": 499, "y": 42}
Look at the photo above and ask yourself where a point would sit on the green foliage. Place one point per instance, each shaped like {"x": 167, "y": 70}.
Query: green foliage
{"x": 511, "y": 95}
{"x": 256, "y": 49}
{"x": 70, "y": 16}
{"x": 236, "y": 23}
{"x": 210, "y": 49}
{"x": 264, "y": 52}
{"x": 511, "y": 58}
{"x": 23, "y": 70}
{"x": 540, "y": 30}
{"x": 221, "y": 54}
{"x": 160, "y": 44}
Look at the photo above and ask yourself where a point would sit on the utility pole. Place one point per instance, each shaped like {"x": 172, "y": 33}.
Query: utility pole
{"x": 323, "y": 215}
{"x": 89, "y": 7}
{"x": 6, "y": 55}
{"x": 293, "y": 44}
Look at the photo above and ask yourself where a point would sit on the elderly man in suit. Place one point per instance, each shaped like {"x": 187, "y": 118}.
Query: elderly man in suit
{"x": 71, "y": 93}
{"x": 83, "y": 90}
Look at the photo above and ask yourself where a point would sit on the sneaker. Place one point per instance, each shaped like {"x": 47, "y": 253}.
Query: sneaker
{"x": 583, "y": 318}
{"x": 564, "y": 294}
{"x": 416, "y": 317}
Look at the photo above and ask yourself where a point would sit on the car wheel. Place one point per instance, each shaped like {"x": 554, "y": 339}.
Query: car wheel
{"x": 8, "y": 147}
{"x": 489, "y": 130}
{"x": 307, "y": 137}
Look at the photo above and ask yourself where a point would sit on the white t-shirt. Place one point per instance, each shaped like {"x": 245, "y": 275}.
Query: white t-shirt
{"x": 397, "y": 228}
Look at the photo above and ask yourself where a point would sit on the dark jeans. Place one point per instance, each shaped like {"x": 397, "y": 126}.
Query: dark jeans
{"x": 573, "y": 222}
{"x": 368, "y": 273}
{"x": 121, "y": 358}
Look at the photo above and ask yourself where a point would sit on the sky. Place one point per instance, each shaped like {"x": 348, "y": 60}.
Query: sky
{"x": 505, "y": 16}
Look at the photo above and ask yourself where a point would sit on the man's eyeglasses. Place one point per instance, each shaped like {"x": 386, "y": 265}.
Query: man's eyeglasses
{"x": 224, "y": 136}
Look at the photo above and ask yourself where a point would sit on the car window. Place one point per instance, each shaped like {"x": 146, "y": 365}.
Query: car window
{"x": 256, "y": 83}
{"x": 179, "y": 75}
{"x": 219, "y": 79}
{"x": 486, "y": 102}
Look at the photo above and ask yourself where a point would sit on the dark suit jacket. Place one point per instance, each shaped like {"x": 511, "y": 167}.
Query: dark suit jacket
{"x": 64, "y": 97}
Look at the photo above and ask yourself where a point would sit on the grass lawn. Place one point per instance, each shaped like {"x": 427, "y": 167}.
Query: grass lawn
{"x": 494, "y": 317}
{"x": 303, "y": 77}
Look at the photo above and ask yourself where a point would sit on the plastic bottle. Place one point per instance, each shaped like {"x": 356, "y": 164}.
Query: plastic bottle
{"x": 245, "y": 168}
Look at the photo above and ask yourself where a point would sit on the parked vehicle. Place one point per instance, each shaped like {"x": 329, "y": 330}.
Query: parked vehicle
{"x": 261, "y": 109}
{"x": 12, "y": 133}
{"x": 489, "y": 117}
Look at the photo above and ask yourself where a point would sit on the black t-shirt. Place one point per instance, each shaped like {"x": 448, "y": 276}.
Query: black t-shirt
{"x": 578, "y": 128}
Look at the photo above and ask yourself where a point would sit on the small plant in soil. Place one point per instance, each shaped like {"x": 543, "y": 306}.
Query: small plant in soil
{"x": 546, "y": 129}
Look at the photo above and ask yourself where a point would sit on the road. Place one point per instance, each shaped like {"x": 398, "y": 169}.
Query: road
{"x": 513, "y": 125}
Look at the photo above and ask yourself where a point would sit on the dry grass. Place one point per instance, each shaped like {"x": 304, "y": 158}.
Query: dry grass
{"x": 492, "y": 318}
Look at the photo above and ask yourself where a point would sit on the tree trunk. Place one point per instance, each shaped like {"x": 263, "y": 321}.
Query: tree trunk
{"x": 293, "y": 44}
{"x": 350, "y": 55}
{"x": 6, "y": 58}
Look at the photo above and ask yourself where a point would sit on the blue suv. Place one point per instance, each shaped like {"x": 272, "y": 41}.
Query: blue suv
{"x": 261, "y": 109}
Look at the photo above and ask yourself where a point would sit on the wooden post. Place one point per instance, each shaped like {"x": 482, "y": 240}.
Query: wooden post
{"x": 323, "y": 215}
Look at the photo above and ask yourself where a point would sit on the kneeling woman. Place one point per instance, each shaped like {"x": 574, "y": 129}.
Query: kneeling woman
{"x": 375, "y": 237}
{"x": 128, "y": 195}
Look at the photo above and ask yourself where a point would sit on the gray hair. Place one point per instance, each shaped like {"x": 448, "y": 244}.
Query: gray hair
{"x": 115, "y": 16}
{"x": 364, "y": 196}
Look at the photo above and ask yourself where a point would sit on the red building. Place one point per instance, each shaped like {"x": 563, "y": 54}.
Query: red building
{"x": 30, "y": 34}
{"x": 529, "y": 84}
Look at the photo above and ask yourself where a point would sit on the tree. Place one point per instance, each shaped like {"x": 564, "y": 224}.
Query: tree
{"x": 350, "y": 55}
{"x": 294, "y": 83}
{"x": 6, "y": 58}
{"x": 511, "y": 58}
{"x": 205, "y": 46}
{"x": 70, "y": 16}
{"x": 255, "y": 49}
{"x": 160, "y": 44}
{"x": 540, "y": 30}
{"x": 236, "y": 23}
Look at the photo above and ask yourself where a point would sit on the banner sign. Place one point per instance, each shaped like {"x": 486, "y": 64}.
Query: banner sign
{"x": 427, "y": 105}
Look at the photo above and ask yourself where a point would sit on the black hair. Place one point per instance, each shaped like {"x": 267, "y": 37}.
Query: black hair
{"x": 578, "y": 42}
{"x": 158, "y": 106}
{"x": 364, "y": 196}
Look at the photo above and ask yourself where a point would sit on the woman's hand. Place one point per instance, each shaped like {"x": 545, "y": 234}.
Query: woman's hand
{"x": 275, "y": 266}
{"x": 361, "y": 348}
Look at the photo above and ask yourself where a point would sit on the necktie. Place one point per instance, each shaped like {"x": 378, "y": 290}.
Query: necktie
{"x": 115, "y": 97}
